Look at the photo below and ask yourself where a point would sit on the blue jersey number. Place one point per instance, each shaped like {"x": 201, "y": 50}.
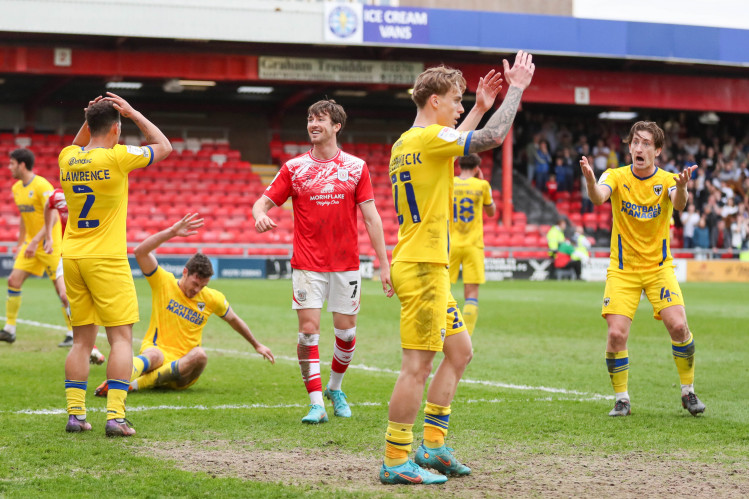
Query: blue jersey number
{"x": 405, "y": 179}
{"x": 90, "y": 198}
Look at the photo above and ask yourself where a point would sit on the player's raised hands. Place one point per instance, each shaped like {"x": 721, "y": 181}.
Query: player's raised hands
{"x": 188, "y": 226}
{"x": 683, "y": 177}
{"x": 521, "y": 73}
{"x": 487, "y": 90}
{"x": 587, "y": 169}
{"x": 120, "y": 104}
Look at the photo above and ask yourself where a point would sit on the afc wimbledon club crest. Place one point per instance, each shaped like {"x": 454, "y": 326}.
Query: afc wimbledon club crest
{"x": 342, "y": 174}
{"x": 201, "y": 305}
{"x": 658, "y": 189}
{"x": 606, "y": 301}
{"x": 343, "y": 22}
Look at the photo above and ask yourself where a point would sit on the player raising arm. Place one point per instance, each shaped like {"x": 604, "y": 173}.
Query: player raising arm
{"x": 94, "y": 177}
{"x": 171, "y": 354}
{"x": 643, "y": 198}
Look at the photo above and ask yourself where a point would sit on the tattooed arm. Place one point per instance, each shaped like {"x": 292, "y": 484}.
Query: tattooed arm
{"x": 495, "y": 131}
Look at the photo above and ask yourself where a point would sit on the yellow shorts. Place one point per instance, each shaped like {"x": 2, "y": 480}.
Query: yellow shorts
{"x": 100, "y": 291}
{"x": 623, "y": 291}
{"x": 429, "y": 313}
{"x": 472, "y": 259}
{"x": 38, "y": 264}
{"x": 169, "y": 357}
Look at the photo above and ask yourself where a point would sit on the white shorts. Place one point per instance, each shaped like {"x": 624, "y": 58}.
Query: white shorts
{"x": 58, "y": 274}
{"x": 342, "y": 290}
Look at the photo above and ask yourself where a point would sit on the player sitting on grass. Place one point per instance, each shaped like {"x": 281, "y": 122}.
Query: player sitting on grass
{"x": 171, "y": 355}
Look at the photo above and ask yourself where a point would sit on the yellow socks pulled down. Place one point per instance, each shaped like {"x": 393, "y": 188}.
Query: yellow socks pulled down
{"x": 116, "y": 398}
{"x": 12, "y": 305}
{"x": 471, "y": 314}
{"x": 161, "y": 376}
{"x": 140, "y": 365}
{"x": 75, "y": 394}
{"x": 618, "y": 365}
{"x": 436, "y": 421}
{"x": 684, "y": 359}
{"x": 398, "y": 440}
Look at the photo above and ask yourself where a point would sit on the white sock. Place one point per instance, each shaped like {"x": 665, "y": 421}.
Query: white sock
{"x": 335, "y": 380}
{"x": 69, "y": 334}
{"x": 315, "y": 398}
{"x": 10, "y": 328}
{"x": 134, "y": 385}
{"x": 685, "y": 389}
{"x": 622, "y": 396}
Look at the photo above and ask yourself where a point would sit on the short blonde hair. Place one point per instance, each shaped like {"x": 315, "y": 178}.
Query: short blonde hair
{"x": 436, "y": 81}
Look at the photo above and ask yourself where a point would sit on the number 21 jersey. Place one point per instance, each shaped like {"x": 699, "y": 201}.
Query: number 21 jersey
{"x": 95, "y": 184}
{"x": 421, "y": 173}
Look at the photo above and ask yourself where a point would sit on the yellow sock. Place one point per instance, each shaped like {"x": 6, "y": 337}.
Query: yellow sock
{"x": 398, "y": 440}
{"x": 618, "y": 365}
{"x": 75, "y": 394}
{"x": 436, "y": 421}
{"x": 116, "y": 398}
{"x": 684, "y": 359}
{"x": 12, "y": 305}
{"x": 140, "y": 364}
{"x": 157, "y": 377}
{"x": 471, "y": 314}
{"x": 66, "y": 316}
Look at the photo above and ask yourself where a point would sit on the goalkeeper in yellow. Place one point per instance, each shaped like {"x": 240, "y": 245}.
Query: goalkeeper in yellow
{"x": 643, "y": 198}
{"x": 171, "y": 355}
{"x": 471, "y": 195}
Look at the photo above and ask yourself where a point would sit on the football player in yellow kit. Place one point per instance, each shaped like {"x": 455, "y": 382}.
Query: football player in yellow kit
{"x": 30, "y": 194}
{"x": 94, "y": 177}
{"x": 421, "y": 171}
{"x": 171, "y": 354}
{"x": 471, "y": 198}
{"x": 643, "y": 198}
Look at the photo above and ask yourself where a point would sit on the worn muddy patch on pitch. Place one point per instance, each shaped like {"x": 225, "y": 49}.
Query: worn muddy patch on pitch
{"x": 496, "y": 473}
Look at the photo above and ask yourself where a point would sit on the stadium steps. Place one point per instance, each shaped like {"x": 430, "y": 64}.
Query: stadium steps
{"x": 266, "y": 172}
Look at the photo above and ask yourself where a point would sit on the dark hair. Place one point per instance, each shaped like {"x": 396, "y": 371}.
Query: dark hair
{"x": 647, "y": 126}
{"x": 23, "y": 156}
{"x": 469, "y": 161}
{"x": 332, "y": 109}
{"x": 101, "y": 116}
{"x": 199, "y": 264}
{"x": 436, "y": 81}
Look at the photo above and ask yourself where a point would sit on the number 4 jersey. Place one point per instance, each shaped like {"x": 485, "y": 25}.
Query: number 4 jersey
{"x": 95, "y": 185}
{"x": 421, "y": 171}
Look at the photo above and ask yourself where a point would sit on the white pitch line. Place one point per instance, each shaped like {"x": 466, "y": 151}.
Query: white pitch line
{"x": 200, "y": 407}
{"x": 362, "y": 367}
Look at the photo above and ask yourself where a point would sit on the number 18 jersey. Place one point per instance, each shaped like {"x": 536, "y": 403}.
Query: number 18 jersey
{"x": 95, "y": 185}
{"x": 421, "y": 173}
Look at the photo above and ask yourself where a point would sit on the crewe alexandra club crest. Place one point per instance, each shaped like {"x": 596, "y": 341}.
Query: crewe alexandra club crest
{"x": 342, "y": 174}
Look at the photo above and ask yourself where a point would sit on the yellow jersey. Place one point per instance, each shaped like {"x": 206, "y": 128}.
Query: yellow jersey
{"x": 421, "y": 172}
{"x": 30, "y": 200}
{"x": 470, "y": 195}
{"x": 642, "y": 212}
{"x": 177, "y": 321}
{"x": 95, "y": 184}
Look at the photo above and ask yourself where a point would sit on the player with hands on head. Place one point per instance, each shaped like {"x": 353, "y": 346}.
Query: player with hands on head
{"x": 171, "y": 355}
{"x": 643, "y": 198}
{"x": 326, "y": 186}
{"x": 94, "y": 178}
{"x": 421, "y": 171}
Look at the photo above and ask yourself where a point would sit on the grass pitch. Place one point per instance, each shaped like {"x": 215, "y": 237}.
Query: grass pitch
{"x": 530, "y": 416}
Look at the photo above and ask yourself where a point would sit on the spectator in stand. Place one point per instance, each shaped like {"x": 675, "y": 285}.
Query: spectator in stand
{"x": 551, "y": 188}
{"x": 560, "y": 173}
{"x": 721, "y": 236}
{"x": 737, "y": 233}
{"x": 530, "y": 156}
{"x": 569, "y": 170}
{"x": 543, "y": 165}
{"x": 689, "y": 220}
{"x": 600, "y": 157}
{"x": 701, "y": 236}
{"x": 729, "y": 208}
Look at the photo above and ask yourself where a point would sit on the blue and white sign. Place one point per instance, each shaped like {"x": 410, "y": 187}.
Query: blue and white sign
{"x": 396, "y": 25}
{"x": 343, "y": 22}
